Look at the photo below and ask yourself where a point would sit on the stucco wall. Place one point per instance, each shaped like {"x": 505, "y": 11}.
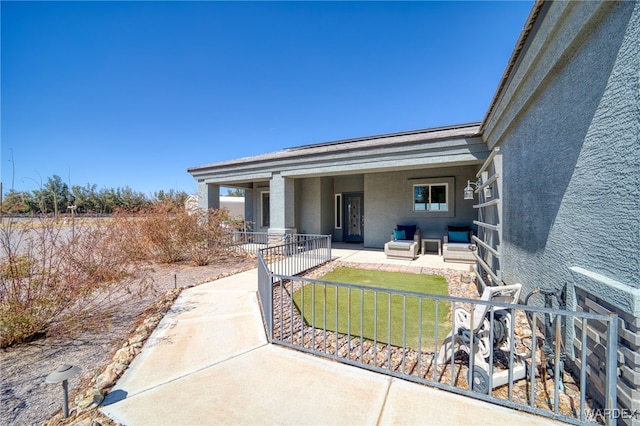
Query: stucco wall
{"x": 571, "y": 159}
{"x": 308, "y": 210}
{"x": 568, "y": 127}
{"x": 314, "y": 214}
{"x": 388, "y": 198}
{"x": 327, "y": 206}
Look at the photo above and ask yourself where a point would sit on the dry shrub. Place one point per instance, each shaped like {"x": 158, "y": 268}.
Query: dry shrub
{"x": 127, "y": 235}
{"x": 207, "y": 237}
{"x": 165, "y": 235}
{"x": 53, "y": 276}
{"x": 64, "y": 279}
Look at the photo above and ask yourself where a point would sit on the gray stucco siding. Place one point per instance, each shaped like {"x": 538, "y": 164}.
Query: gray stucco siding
{"x": 569, "y": 24}
{"x": 314, "y": 206}
{"x": 388, "y": 202}
{"x": 571, "y": 159}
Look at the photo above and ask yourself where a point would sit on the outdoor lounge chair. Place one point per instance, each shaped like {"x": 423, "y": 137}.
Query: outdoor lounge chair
{"x": 457, "y": 245}
{"x": 404, "y": 243}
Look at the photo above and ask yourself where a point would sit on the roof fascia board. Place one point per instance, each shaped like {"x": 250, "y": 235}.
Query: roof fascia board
{"x": 522, "y": 44}
{"x": 453, "y": 157}
{"x": 428, "y": 148}
{"x": 384, "y": 141}
{"x": 407, "y": 164}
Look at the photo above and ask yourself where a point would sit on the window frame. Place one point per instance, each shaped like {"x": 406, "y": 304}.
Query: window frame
{"x": 447, "y": 182}
{"x": 337, "y": 211}
{"x": 262, "y": 209}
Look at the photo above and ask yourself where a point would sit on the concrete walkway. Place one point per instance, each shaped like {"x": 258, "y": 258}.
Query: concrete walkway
{"x": 209, "y": 362}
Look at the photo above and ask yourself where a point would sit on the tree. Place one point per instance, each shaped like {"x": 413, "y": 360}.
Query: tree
{"x": 53, "y": 195}
{"x": 15, "y": 202}
{"x": 173, "y": 198}
{"x": 236, "y": 192}
{"x": 83, "y": 197}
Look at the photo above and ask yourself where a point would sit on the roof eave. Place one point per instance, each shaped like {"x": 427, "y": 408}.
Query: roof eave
{"x": 530, "y": 27}
{"x": 344, "y": 145}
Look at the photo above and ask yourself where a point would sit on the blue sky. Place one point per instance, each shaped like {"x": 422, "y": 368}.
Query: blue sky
{"x": 133, "y": 93}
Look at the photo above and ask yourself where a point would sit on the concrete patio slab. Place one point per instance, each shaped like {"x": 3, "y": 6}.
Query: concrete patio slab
{"x": 412, "y": 404}
{"x": 268, "y": 385}
{"x": 356, "y": 253}
{"x": 200, "y": 330}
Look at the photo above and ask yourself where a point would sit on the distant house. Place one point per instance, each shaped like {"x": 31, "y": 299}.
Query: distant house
{"x": 555, "y": 164}
{"x": 235, "y": 205}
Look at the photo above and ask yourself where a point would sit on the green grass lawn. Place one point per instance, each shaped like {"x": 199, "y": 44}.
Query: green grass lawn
{"x": 355, "y": 308}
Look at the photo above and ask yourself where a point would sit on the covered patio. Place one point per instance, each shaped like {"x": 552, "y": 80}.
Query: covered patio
{"x": 357, "y": 253}
{"x": 356, "y": 190}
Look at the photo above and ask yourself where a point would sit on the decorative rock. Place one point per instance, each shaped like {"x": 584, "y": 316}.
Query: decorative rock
{"x": 92, "y": 399}
{"x": 107, "y": 379}
{"x": 118, "y": 368}
{"x": 123, "y": 356}
{"x": 137, "y": 338}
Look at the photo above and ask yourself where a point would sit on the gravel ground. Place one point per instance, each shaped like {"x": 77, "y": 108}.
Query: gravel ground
{"x": 25, "y": 397}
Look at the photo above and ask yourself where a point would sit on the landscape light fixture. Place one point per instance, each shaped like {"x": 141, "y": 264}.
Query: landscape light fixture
{"x": 63, "y": 374}
{"x": 469, "y": 190}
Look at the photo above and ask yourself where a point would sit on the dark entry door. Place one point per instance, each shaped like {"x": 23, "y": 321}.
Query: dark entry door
{"x": 354, "y": 217}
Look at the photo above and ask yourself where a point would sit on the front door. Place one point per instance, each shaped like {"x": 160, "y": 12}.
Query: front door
{"x": 354, "y": 217}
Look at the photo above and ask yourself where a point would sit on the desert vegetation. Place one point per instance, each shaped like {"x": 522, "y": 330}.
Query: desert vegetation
{"x": 54, "y": 197}
{"x": 57, "y": 276}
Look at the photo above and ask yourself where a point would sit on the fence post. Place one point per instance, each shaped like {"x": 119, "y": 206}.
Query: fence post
{"x": 611, "y": 392}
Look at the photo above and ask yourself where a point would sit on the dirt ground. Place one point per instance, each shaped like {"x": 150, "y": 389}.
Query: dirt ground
{"x": 25, "y": 398}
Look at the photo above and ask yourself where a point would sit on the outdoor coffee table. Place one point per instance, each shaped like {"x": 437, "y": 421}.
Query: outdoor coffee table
{"x": 431, "y": 240}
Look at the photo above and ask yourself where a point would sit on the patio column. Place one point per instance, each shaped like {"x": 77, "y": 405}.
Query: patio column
{"x": 282, "y": 206}
{"x": 249, "y": 221}
{"x": 208, "y": 196}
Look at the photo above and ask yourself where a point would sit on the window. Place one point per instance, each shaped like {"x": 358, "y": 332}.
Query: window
{"x": 265, "y": 209}
{"x": 338, "y": 212}
{"x": 430, "y": 197}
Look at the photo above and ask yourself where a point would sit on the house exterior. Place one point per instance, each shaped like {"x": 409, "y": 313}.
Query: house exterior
{"x": 331, "y": 188}
{"x": 558, "y": 152}
{"x": 235, "y": 205}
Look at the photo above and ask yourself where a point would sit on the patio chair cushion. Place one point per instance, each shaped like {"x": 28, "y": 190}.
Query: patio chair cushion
{"x": 459, "y": 237}
{"x": 457, "y": 245}
{"x": 399, "y": 235}
{"x": 409, "y": 230}
{"x": 460, "y": 234}
{"x": 400, "y": 245}
{"x": 406, "y": 248}
{"x": 460, "y": 247}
